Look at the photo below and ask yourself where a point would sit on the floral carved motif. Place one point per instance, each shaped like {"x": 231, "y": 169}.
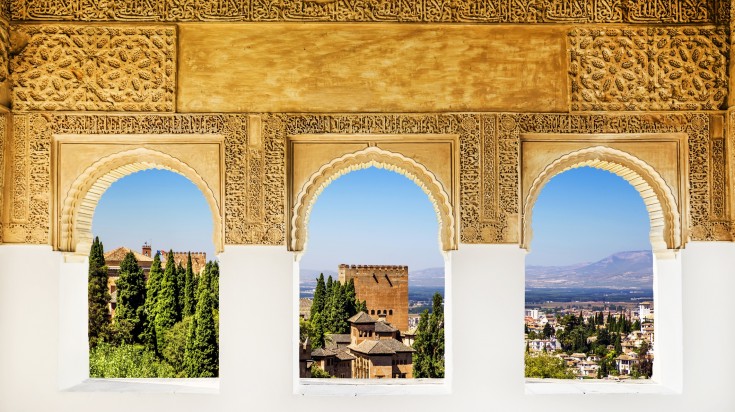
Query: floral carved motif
{"x": 115, "y": 68}
{"x": 648, "y": 68}
{"x": 452, "y": 11}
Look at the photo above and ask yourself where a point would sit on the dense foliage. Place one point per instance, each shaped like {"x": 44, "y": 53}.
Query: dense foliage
{"x": 333, "y": 304}
{"x": 428, "y": 360}
{"x": 166, "y": 326}
{"x": 547, "y": 366}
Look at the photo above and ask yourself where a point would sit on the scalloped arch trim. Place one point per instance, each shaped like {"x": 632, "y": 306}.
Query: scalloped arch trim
{"x": 373, "y": 157}
{"x": 666, "y": 227}
{"x": 77, "y": 210}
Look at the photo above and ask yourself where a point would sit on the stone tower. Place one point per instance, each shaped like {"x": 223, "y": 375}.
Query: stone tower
{"x": 384, "y": 288}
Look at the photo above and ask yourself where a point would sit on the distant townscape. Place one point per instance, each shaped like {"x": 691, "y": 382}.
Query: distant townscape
{"x": 358, "y": 326}
{"x": 589, "y": 321}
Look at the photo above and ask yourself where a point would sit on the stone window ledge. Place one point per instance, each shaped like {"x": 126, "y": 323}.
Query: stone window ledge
{"x": 154, "y": 385}
{"x": 367, "y": 387}
{"x": 592, "y": 387}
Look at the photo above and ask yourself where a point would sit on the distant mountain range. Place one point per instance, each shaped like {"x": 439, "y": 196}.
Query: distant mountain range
{"x": 624, "y": 270}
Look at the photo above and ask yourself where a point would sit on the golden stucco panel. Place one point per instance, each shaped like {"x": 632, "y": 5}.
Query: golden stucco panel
{"x": 77, "y": 67}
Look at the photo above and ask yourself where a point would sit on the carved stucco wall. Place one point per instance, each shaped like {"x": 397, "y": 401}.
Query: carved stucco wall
{"x": 655, "y": 60}
{"x": 255, "y": 189}
{"x": 655, "y": 68}
{"x": 426, "y": 11}
{"x": 82, "y": 67}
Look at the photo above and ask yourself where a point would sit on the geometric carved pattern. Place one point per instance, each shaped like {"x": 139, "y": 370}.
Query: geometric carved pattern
{"x": 365, "y": 158}
{"x": 30, "y": 182}
{"x": 115, "y": 68}
{"x": 695, "y": 125}
{"x": 255, "y": 187}
{"x": 658, "y": 68}
{"x": 482, "y": 215}
{"x": 4, "y": 55}
{"x": 459, "y": 11}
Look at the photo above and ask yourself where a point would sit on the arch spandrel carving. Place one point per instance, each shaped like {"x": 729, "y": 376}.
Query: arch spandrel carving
{"x": 668, "y": 231}
{"x": 76, "y": 207}
{"x": 369, "y": 157}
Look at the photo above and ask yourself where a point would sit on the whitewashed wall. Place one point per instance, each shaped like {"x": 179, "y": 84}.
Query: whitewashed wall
{"x": 39, "y": 330}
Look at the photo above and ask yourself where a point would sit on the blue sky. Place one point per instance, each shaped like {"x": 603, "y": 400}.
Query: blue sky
{"x": 375, "y": 216}
{"x": 155, "y": 206}
{"x": 372, "y": 216}
{"x": 586, "y": 214}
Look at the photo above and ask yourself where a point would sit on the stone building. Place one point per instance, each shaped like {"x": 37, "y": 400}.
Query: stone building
{"x": 378, "y": 352}
{"x": 113, "y": 259}
{"x": 198, "y": 260}
{"x": 383, "y": 288}
{"x": 262, "y": 103}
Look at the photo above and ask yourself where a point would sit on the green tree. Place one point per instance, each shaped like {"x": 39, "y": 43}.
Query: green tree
{"x": 166, "y": 305}
{"x": 202, "y": 354}
{"x": 319, "y": 300}
{"x": 189, "y": 302}
{"x": 180, "y": 286}
{"x": 546, "y": 366}
{"x": 175, "y": 345}
{"x": 317, "y": 330}
{"x": 317, "y": 372}
{"x": 126, "y": 361}
{"x": 548, "y": 330}
{"x": 153, "y": 289}
{"x": 131, "y": 295}
{"x": 336, "y": 312}
{"x": 428, "y": 360}
{"x": 97, "y": 295}
{"x": 214, "y": 283}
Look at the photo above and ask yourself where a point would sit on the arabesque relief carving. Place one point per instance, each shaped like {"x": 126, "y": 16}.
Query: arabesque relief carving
{"x": 29, "y": 220}
{"x": 73, "y": 67}
{"x": 3, "y": 139}
{"x": 255, "y": 167}
{"x": 655, "y": 68}
{"x": 453, "y": 11}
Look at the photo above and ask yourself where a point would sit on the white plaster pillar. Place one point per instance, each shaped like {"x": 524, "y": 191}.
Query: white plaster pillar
{"x": 708, "y": 271}
{"x": 256, "y": 321}
{"x": 29, "y": 303}
{"x": 487, "y": 297}
{"x": 667, "y": 294}
{"x": 73, "y": 315}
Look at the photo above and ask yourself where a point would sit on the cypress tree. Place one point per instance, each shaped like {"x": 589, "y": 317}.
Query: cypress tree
{"x": 336, "y": 310}
{"x": 328, "y": 292}
{"x": 153, "y": 288}
{"x": 202, "y": 356}
{"x": 98, "y": 296}
{"x": 317, "y": 305}
{"x": 131, "y": 296}
{"x": 214, "y": 283}
{"x": 180, "y": 285}
{"x": 428, "y": 360}
{"x": 350, "y": 299}
{"x": 189, "y": 303}
{"x": 166, "y": 305}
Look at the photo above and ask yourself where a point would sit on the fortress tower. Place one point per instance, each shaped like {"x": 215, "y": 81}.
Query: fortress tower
{"x": 383, "y": 288}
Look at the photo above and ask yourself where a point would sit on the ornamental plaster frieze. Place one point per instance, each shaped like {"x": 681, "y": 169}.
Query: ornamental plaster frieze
{"x": 77, "y": 67}
{"x": 654, "y": 68}
{"x": 423, "y": 11}
{"x": 255, "y": 194}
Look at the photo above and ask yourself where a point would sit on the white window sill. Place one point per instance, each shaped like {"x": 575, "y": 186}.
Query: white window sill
{"x": 154, "y": 385}
{"x": 367, "y": 387}
{"x": 536, "y": 386}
